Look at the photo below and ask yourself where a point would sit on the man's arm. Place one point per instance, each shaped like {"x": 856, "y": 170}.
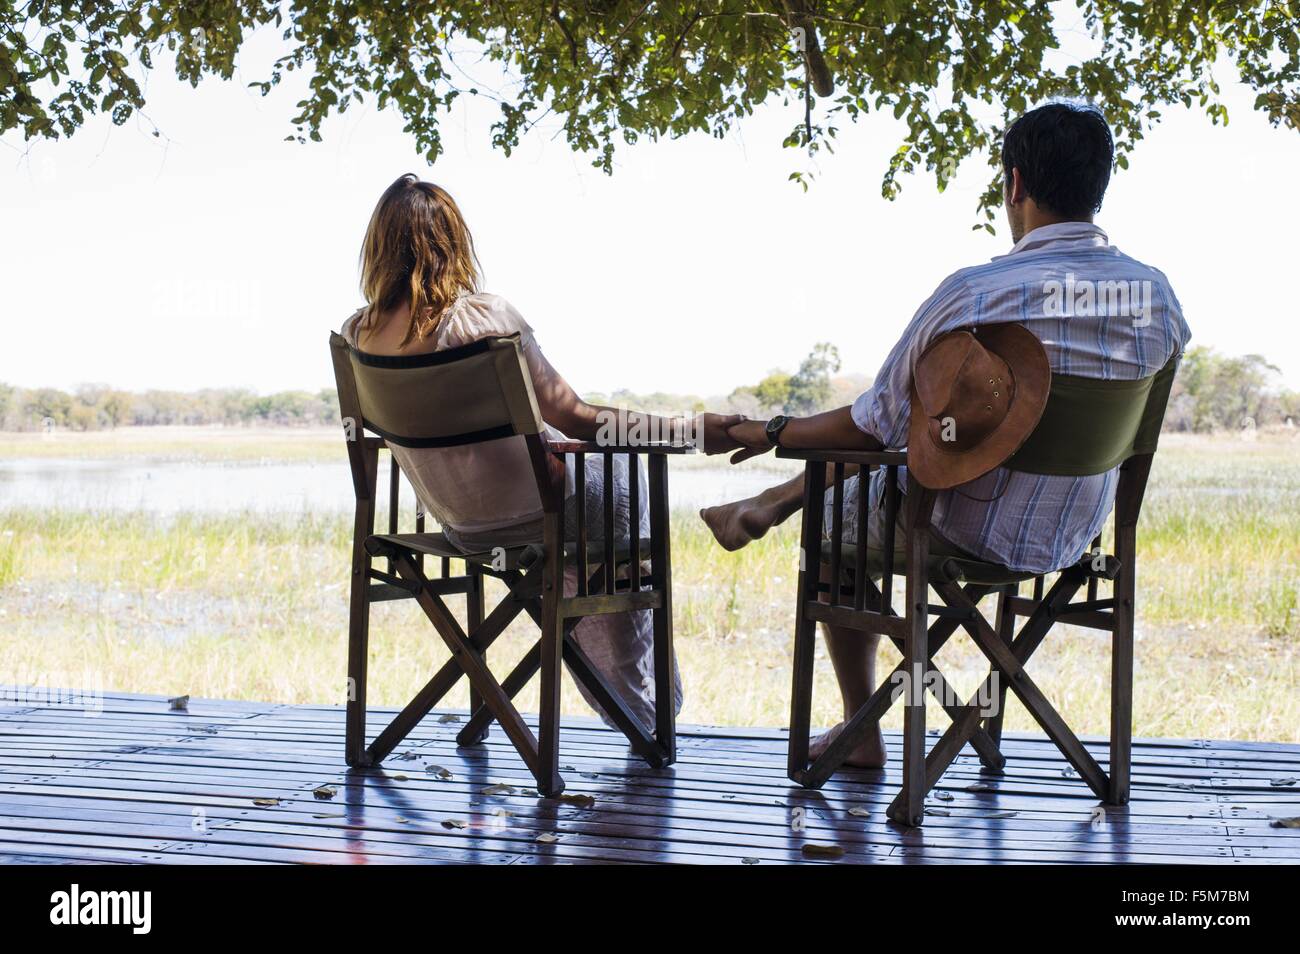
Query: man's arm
{"x": 829, "y": 430}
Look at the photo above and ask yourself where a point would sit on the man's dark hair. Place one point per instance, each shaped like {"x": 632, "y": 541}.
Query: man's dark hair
{"x": 1064, "y": 153}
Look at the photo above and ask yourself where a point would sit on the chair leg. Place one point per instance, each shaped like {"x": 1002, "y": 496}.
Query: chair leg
{"x": 511, "y": 685}
{"x": 1005, "y": 621}
{"x": 475, "y": 730}
{"x": 805, "y": 630}
{"x": 445, "y": 679}
{"x": 358, "y": 656}
{"x": 1121, "y": 674}
{"x": 801, "y": 692}
{"x": 549, "y": 781}
{"x": 662, "y": 617}
{"x": 909, "y": 807}
{"x": 665, "y": 684}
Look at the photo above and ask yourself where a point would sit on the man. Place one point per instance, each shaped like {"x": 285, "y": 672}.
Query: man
{"x": 1097, "y": 312}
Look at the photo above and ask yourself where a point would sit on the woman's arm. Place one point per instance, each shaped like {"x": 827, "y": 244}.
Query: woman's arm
{"x": 563, "y": 409}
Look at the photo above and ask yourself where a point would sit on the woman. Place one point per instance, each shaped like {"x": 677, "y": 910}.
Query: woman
{"x": 419, "y": 277}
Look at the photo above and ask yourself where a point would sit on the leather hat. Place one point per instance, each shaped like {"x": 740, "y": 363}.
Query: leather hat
{"x": 977, "y": 395}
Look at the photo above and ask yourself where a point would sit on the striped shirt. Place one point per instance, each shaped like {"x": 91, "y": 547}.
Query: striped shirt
{"x": 1099, "y": 314}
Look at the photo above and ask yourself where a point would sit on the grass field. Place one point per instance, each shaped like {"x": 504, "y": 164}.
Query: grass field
{"x": 254, "y": 607}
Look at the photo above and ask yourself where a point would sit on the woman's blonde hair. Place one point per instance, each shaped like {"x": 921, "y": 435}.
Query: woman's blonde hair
{"x": 417, "y": 252}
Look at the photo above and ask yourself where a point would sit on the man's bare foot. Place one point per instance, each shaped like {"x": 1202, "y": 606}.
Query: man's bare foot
{"x": 869, "y": 753}
{"x": 736, "y": 524}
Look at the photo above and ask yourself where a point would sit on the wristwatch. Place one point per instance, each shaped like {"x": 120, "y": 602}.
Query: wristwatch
{"x": 774, "y": 428}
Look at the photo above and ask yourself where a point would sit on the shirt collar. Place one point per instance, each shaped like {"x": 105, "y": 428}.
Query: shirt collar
{"x": 1060, "y": 233}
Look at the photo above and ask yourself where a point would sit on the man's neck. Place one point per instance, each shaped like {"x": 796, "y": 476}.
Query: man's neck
{"x": 1037, "y": 218}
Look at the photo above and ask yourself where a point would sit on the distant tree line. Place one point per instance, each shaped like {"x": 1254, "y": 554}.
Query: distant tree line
{"x": 98, "y": 407}
{"x": 1213, "y": 392}
{"x": 813, "y": 387}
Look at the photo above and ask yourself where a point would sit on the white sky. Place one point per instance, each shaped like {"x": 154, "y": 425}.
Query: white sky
{"x": 221, "y": 255}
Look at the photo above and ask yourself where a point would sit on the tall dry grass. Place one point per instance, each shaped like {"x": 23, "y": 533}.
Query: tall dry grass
{"x": 253, "y": 606}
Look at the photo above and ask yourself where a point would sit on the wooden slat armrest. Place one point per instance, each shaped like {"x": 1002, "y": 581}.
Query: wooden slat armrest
{"x": 592, "y": 447}
{"x": 883, "y": 458}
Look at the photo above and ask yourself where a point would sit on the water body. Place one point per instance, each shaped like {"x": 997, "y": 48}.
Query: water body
{"x": 167, "y": 488}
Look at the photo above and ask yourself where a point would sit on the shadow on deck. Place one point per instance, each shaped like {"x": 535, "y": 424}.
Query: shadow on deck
{"x": 235, "y": 782}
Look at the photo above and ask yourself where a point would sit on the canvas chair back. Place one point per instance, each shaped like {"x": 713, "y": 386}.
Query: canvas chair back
{"x": 478, "y": 392}
{"x": 1090, "y": 425}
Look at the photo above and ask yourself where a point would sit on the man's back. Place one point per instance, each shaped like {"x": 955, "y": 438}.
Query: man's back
{"x": 1098, "y": 314}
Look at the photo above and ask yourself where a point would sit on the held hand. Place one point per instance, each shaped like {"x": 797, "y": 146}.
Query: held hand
{"x": 751, "y": 437}
{"x": 713, "y": 430}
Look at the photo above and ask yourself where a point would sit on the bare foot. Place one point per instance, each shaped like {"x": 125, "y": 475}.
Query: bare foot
{"x": 736, "y": 524}
{"x": 870, "y": 752}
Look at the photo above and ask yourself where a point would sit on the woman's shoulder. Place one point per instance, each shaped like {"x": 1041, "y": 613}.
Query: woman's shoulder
{"x": 479, "y": 314}
{"x": 349, "y": 327}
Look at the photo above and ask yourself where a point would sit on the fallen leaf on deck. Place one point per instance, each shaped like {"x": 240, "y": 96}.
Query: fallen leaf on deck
{"x": 266, "y": 802}
{"x": 179, "y": 704}
{"x": 329, "y": 815}
{"x": 1068, "y": 772}
{"x": 1002, "y": 814}
{"x": 448, "y": 717}
{"x": 324, "y": 793}
{"x": 455, "y": 823}
{"x": 438, "y": 770}
{"x": 938, "y": 811}
{"x": 749, "y": 861}
{"x": 547, "y": 838}
{"x": 979, "y": 787}
{"x": 498, "y": 789}
{"x": 816, "y": 850}
{"x": 943, "y": 796}
{"x": 400, "y": 778}
{"x": 404, "y": 821}
{"x": 1284, "y": 822}
{"x": 860, "y": 812}
{"x": 406, "y": 756}
{"x": 1281, "y": 782}
{"x": 582, "y": 801}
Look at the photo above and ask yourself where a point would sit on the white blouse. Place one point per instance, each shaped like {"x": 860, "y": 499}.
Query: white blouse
{"x": 478, "y": 486}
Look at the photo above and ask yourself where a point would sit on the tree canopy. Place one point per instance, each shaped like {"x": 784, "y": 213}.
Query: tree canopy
{"x": 616, "y": 71}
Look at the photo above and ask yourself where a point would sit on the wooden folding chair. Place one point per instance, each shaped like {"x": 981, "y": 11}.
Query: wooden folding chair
{"x": 1088, "y": 427}
{"x": 465, "y": 395}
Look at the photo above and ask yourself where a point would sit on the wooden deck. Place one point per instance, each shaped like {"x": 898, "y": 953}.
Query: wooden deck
{"x": 233, "y": 782}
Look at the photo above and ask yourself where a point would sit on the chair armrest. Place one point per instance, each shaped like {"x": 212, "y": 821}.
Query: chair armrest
{"x": 882, "y": 458}
{"x": 592, "y": 447}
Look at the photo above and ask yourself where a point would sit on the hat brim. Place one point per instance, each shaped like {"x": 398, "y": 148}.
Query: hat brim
{"x": 941, "y": 468}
